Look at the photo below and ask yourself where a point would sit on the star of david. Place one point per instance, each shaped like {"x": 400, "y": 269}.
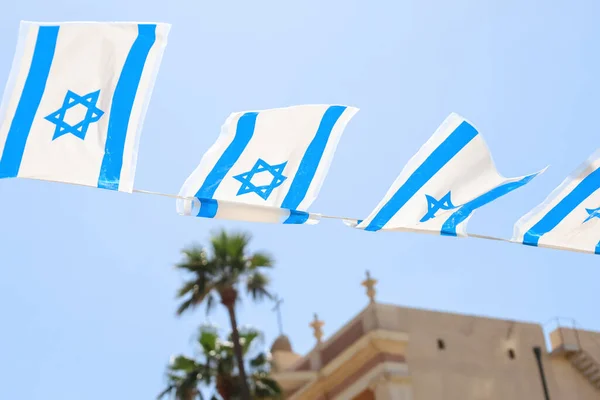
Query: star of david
{"x": 72, "y": 99}
{"x": 433, "y": 206}
{"x": 264, "y": 191}
{"x": 593, "y": 213}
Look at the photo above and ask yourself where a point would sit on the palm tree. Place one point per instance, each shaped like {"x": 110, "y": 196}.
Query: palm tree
{"x": 218, "y": 273}
{"x": 184, "y": 377}
{"x": 217, "y": 366}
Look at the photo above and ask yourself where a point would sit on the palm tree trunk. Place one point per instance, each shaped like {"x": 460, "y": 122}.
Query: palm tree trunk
{"x": 190, "y": 394}
{"x": 221, "y": 388}
{"x": 228, "y": 300}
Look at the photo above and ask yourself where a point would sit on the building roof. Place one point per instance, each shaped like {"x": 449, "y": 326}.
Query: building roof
{"x": 282, "y": 343}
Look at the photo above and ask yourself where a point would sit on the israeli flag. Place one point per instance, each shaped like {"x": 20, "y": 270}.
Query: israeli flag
{"x": 266, "y": 166}
{"x": 450, "y": 177}
{"x": 569, "y": 217}
{"x": 76, "y": 99}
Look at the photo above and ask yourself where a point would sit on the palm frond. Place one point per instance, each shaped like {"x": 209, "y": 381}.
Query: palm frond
{"x": 201, "y": 289}
{"x": 219, "y": 243}
{"x": 265, "y": 387}
{"x": 186, "y": 288}
{"x": 208, "y": 340}
{"x": 165, "y": 392}
{"x": 256, "y": 286}
{"x": 238, "y": 244}
{"x": 229, "y": 251}
{"x": 195, "y": 258}
{"x": 210, "y": 303}
{"x": 249, "y": 337}
{"x": 186, "y": 305}
{"x": 260, "y": 260}
{"x": 184, "y": 364}
{"x": 260, "y": 361}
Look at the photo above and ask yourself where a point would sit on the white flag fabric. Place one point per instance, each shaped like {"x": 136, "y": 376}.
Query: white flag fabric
{"x": 76, "y": 99}
{"x": 266, "y": 160}
{"x": 450, "y": 177}
{"x": 569, "y": 217}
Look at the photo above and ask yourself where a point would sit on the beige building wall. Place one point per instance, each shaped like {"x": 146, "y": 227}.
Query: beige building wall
{"x": 476, "y": 360}
{"x": 572, "y": 383}
{"x": 388, "y": 352}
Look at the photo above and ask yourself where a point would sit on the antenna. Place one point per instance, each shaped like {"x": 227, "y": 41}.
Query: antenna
{"x": 277, "y": 309}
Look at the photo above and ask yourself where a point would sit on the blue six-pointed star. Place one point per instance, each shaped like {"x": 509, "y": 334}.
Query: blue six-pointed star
{"x": 434, "y": 205}
{"x": 72, "y": 99}
{"x": 593, "y": 213}
{"x": 264, "y": 191}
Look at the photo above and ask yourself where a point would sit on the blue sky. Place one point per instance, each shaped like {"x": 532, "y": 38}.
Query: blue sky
{"x": 86, "y": 285}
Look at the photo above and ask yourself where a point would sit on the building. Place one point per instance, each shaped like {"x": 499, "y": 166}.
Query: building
{"x": 388, "y": 352}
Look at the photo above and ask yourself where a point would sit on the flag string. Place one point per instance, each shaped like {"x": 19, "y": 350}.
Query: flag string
{"x": 334, "y": 217}
{"x": 409, "y": 230}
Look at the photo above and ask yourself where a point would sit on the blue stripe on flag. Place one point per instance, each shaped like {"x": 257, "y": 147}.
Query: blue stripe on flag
{"x": 597, "y": 251}
{"x": 243, "y": 134}
{"x": 297, "y": 217}
{"x": 208, "y": 208}
{"x": 586, "y": 187}
{"x": 449, "y": 227}
{"x": 310, "y": 162}
{"x": 311, "y": 159}
{"x": 122, "y": 104}
{"x": 31, "y": 96}
{"x": 453, "y": 144}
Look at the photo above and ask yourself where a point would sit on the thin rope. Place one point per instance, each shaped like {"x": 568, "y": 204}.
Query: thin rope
{"x": 410, "y": 230}
{"x": 335, "y": 217}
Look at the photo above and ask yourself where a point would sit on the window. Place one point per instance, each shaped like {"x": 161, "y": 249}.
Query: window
{"x": 441, "y": 344}
{"x": 511, "y": 354}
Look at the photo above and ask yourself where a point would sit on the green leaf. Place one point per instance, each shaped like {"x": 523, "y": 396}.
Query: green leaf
{"x": 208, "y": 339}
{"x": 182, "y": 363}
{"x": 186, "y": 305}
{"x": 210, "y": 303}
{"x": 256, "y": 286}
{"x": 186, "y": 288}
{"x": 248, "y": 336}
{"x": 219, "y": 248}
{"x": 260, "y": 259}
{"x": 266, "y": 388}
{"x": 260, "y": 360}
{"x": 165, "y": 392}
{"x": 195, "y": 258}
